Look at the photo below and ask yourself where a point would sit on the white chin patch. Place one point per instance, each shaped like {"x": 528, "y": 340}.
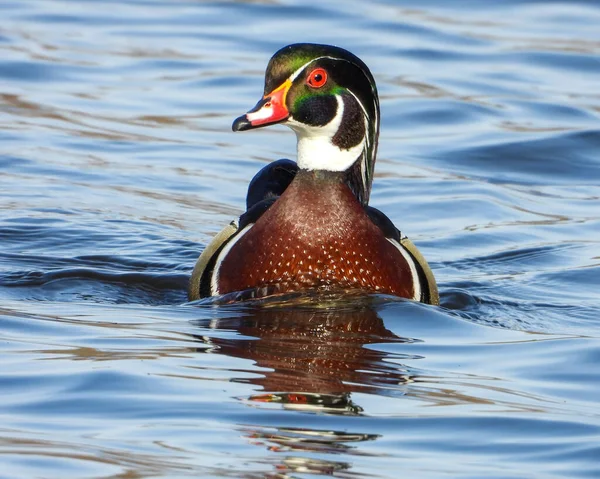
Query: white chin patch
{"x": 315, "y": 148}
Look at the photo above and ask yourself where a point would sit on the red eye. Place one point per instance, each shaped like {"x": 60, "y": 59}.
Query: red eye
{"x": 317, "y": 78}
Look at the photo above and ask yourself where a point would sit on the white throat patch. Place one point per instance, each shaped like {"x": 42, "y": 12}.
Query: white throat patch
{"x": 315, "y": 148}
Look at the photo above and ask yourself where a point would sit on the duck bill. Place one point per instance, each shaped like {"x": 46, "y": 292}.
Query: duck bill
{"x": 268, "y": 111}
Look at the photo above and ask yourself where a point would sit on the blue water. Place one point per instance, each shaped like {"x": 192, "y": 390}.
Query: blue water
{"x": 118, "y": 164}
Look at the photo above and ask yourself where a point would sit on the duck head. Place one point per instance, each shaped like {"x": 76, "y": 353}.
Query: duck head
{"x": 328, "y": 97}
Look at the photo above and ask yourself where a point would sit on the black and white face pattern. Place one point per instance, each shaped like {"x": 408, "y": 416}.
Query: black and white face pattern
{"x": 328, "y": 97}
{"x": 327, "y": 101}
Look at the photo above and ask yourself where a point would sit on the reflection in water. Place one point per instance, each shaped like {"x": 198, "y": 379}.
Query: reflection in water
{"x": 297, "y": 440}
{"x": 118, "y": 164}
{"x": 313, "y": 359}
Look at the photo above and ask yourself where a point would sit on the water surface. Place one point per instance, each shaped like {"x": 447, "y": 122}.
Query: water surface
{"x": 117, "y": 166}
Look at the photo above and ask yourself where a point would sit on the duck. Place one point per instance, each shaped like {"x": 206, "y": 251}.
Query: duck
{"x": 308, "y": 225}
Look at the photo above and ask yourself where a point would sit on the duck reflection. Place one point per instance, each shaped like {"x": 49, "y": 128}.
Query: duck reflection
{"x": 296, "y": 441}
{"x": 314, "y": 356}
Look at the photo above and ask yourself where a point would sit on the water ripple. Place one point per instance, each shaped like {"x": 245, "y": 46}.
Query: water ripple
{"x": 118, "y": 165}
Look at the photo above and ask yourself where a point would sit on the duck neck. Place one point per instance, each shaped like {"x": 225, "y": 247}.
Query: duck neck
{"x": 321, "y": 191}
{"x": 347, "y": 144}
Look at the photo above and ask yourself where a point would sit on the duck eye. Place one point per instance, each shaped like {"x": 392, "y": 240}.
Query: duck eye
{"x": 317, "y": 78}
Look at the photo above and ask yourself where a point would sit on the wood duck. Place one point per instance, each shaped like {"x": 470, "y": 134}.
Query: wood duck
{"x": 307, "y": 225}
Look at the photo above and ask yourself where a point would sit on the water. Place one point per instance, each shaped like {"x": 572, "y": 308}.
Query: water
{"x": 118, "y": 165}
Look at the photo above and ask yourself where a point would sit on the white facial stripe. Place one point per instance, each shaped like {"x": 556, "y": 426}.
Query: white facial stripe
{"x": 413, "y": 269}
{"x": 214, "y": 281}
{"x": 363, "y": 174}
{"x": 359, "y": 102}
{"x": 363, "y": 165}
{"x": 295, "y": 75}
{"x": 315, "y": 149}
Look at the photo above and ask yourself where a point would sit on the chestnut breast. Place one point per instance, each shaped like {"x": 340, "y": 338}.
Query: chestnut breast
{"x": 316, "y": 235}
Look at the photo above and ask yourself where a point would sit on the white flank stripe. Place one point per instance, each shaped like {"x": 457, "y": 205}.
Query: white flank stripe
{"x": 214, "y": 281}
{"x": 413, "y": 269}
